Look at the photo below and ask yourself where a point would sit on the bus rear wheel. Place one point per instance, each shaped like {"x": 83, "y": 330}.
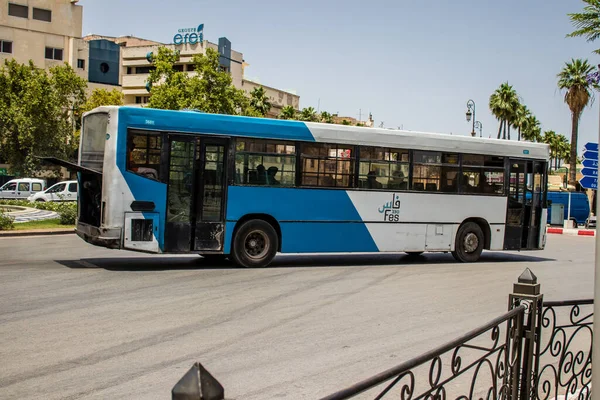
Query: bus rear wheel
{"x": 255, "y": 244}
{"x": 469, "y": 243}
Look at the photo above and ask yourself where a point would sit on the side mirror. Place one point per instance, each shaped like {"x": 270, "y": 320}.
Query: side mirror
{"x": 198, "y": 384}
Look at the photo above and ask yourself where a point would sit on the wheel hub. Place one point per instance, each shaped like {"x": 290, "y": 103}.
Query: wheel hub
{"x": 256, "y": 245}
{"x": 471, "y": 242}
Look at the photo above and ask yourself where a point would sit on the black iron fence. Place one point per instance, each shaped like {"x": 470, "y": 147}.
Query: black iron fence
{"x": 536, "y": 351}
{"x": 565, "y": 351}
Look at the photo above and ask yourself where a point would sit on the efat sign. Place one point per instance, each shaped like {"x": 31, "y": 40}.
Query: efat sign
{"x": 189, "y": 35}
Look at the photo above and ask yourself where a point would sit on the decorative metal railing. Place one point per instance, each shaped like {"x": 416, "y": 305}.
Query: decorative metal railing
{"x": 489, "y": 354}
{"x": 564, "y": 355}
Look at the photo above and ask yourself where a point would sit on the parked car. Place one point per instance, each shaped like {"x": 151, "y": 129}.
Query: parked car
{"x": 591, "y": 222}
{"x": 62, "y": 191}
{"x": 21, "y": 188}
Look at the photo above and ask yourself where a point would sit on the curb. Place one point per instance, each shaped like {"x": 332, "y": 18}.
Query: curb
{"x": 571, "y": 232}
{"x": 38, "y": 232}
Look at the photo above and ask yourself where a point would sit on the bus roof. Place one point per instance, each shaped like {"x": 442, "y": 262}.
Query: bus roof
{"x": 194, "y": 122}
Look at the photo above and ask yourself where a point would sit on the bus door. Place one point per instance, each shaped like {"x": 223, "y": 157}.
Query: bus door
{"x": 211, "y": 167}
{"x": 180, "y": 190}
{"x": 527, "y": 180}
{"x": 534, "y": 202}
{"x": 515, "y": 209}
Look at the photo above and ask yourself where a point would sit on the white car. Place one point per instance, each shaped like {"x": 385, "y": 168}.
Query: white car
{"x": 62, "y": 191}
{"x": 21, "y": 188}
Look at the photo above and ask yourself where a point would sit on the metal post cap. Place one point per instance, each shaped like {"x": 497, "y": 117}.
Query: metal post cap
{"x": 528, "y": 277}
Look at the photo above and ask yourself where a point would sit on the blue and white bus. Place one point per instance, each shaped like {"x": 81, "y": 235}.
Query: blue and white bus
{"x": 247, "y": 188}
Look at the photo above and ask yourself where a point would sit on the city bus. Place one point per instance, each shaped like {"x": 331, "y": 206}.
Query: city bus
{"x": 244, "y": 188}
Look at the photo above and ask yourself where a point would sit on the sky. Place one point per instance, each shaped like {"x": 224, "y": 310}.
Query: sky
{"x": 413, "y": 64}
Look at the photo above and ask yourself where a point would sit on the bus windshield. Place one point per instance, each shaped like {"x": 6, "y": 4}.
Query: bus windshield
{"x": 93, "y": 139}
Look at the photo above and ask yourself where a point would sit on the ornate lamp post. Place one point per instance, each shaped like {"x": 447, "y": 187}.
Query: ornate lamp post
{"x": 471, "y": 113}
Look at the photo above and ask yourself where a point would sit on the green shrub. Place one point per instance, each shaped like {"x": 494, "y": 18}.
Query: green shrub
{"x": 6, "y": 222}
{"x": 67, "y": 212}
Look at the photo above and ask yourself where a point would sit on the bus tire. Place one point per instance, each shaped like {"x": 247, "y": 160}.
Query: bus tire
{"x": 255, "y": 244}
{"x": 469, "y": 243}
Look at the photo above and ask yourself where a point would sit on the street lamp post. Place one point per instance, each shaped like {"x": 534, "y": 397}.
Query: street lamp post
{"x": 471, "y": 113}
{"x": 479, "y": 125}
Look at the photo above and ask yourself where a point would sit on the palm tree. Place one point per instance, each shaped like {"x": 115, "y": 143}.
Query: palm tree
{"x": 260, "y": 101}
{"x": 287, "y": 112}
{"x": 587, "y": 23}
{"x": 503, "y": 103}
{"x": 521, "y": 114}
{"x": 563, "y": 149}
{"x": 326, "y": 117}
{"x": 532, "y": 130}
{"x": 572, "y": 79}
{"x": 551, "y": 139}
{"x": 309, "y": 114}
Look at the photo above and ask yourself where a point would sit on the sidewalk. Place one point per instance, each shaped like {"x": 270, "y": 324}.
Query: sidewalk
{"x": 37, "y": 232}
{"x": 572, "y": 232}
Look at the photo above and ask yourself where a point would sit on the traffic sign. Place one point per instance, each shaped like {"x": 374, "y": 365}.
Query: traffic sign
{"x": 591, "y": 146}
{"x": 590, "y": 155}
{"x": 590, "y": 172}
{"x": 589, "y": 182}
{"x": 590, "y": 163}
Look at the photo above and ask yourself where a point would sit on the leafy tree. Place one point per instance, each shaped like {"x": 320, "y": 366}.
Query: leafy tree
{"x": 260, "y": 101}
{"x": 309, "y": 114}
{"x": 37, "y": 113}
{"x": 587, "y": 23}
{"x": 287, "y": 112}
{"x": 102, "y": 97}
{"x": 326, "y": 117}
{"x": 209, "y": 90}
{"x": 503, "y": 104}
{"x": 572, "y": 79}
{"x": 346, "y": 122}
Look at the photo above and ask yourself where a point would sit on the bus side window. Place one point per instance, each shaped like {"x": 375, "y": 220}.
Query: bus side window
{"x": 143, "y": 154}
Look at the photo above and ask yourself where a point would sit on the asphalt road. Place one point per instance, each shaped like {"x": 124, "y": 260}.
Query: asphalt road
{"x": 77, "y": 321}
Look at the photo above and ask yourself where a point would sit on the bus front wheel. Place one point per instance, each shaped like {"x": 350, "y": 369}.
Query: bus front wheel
{"x": 255, "y": 244}
{"x": 469, "y": 243}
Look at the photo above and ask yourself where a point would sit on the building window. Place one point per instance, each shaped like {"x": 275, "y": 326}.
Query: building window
{"x": 104, "y": 68}
{"x": 17, "y": 10}
{"x": 192, "y": 67}
{"x": 144, "y": 70}
{"x": 383, "y": 168}
{"x": 143, "y": 155}
{"x": 5, "y": 46}
{"x": 334, "y": 165}
{"x": 178, "y": 67}
{"x": 265, "y": 162}
{"x": 80, "y": 63}
{"x": 42, "y": 15}
{"x": 129, "y": 70}
{"x": 54, "y": 54}
{"x": 142, "y": 99}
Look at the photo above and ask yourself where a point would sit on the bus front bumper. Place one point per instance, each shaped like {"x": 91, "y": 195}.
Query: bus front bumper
{"x": 103, "y": 237}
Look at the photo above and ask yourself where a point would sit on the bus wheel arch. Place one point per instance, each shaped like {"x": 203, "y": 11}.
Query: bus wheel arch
{"x": 267, "y": 232}
{"x": 472, "y": 237}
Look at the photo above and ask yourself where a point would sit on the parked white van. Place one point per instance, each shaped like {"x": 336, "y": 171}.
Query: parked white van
{"x": 62, "y": 191}
{"x": 21, "y": 188}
